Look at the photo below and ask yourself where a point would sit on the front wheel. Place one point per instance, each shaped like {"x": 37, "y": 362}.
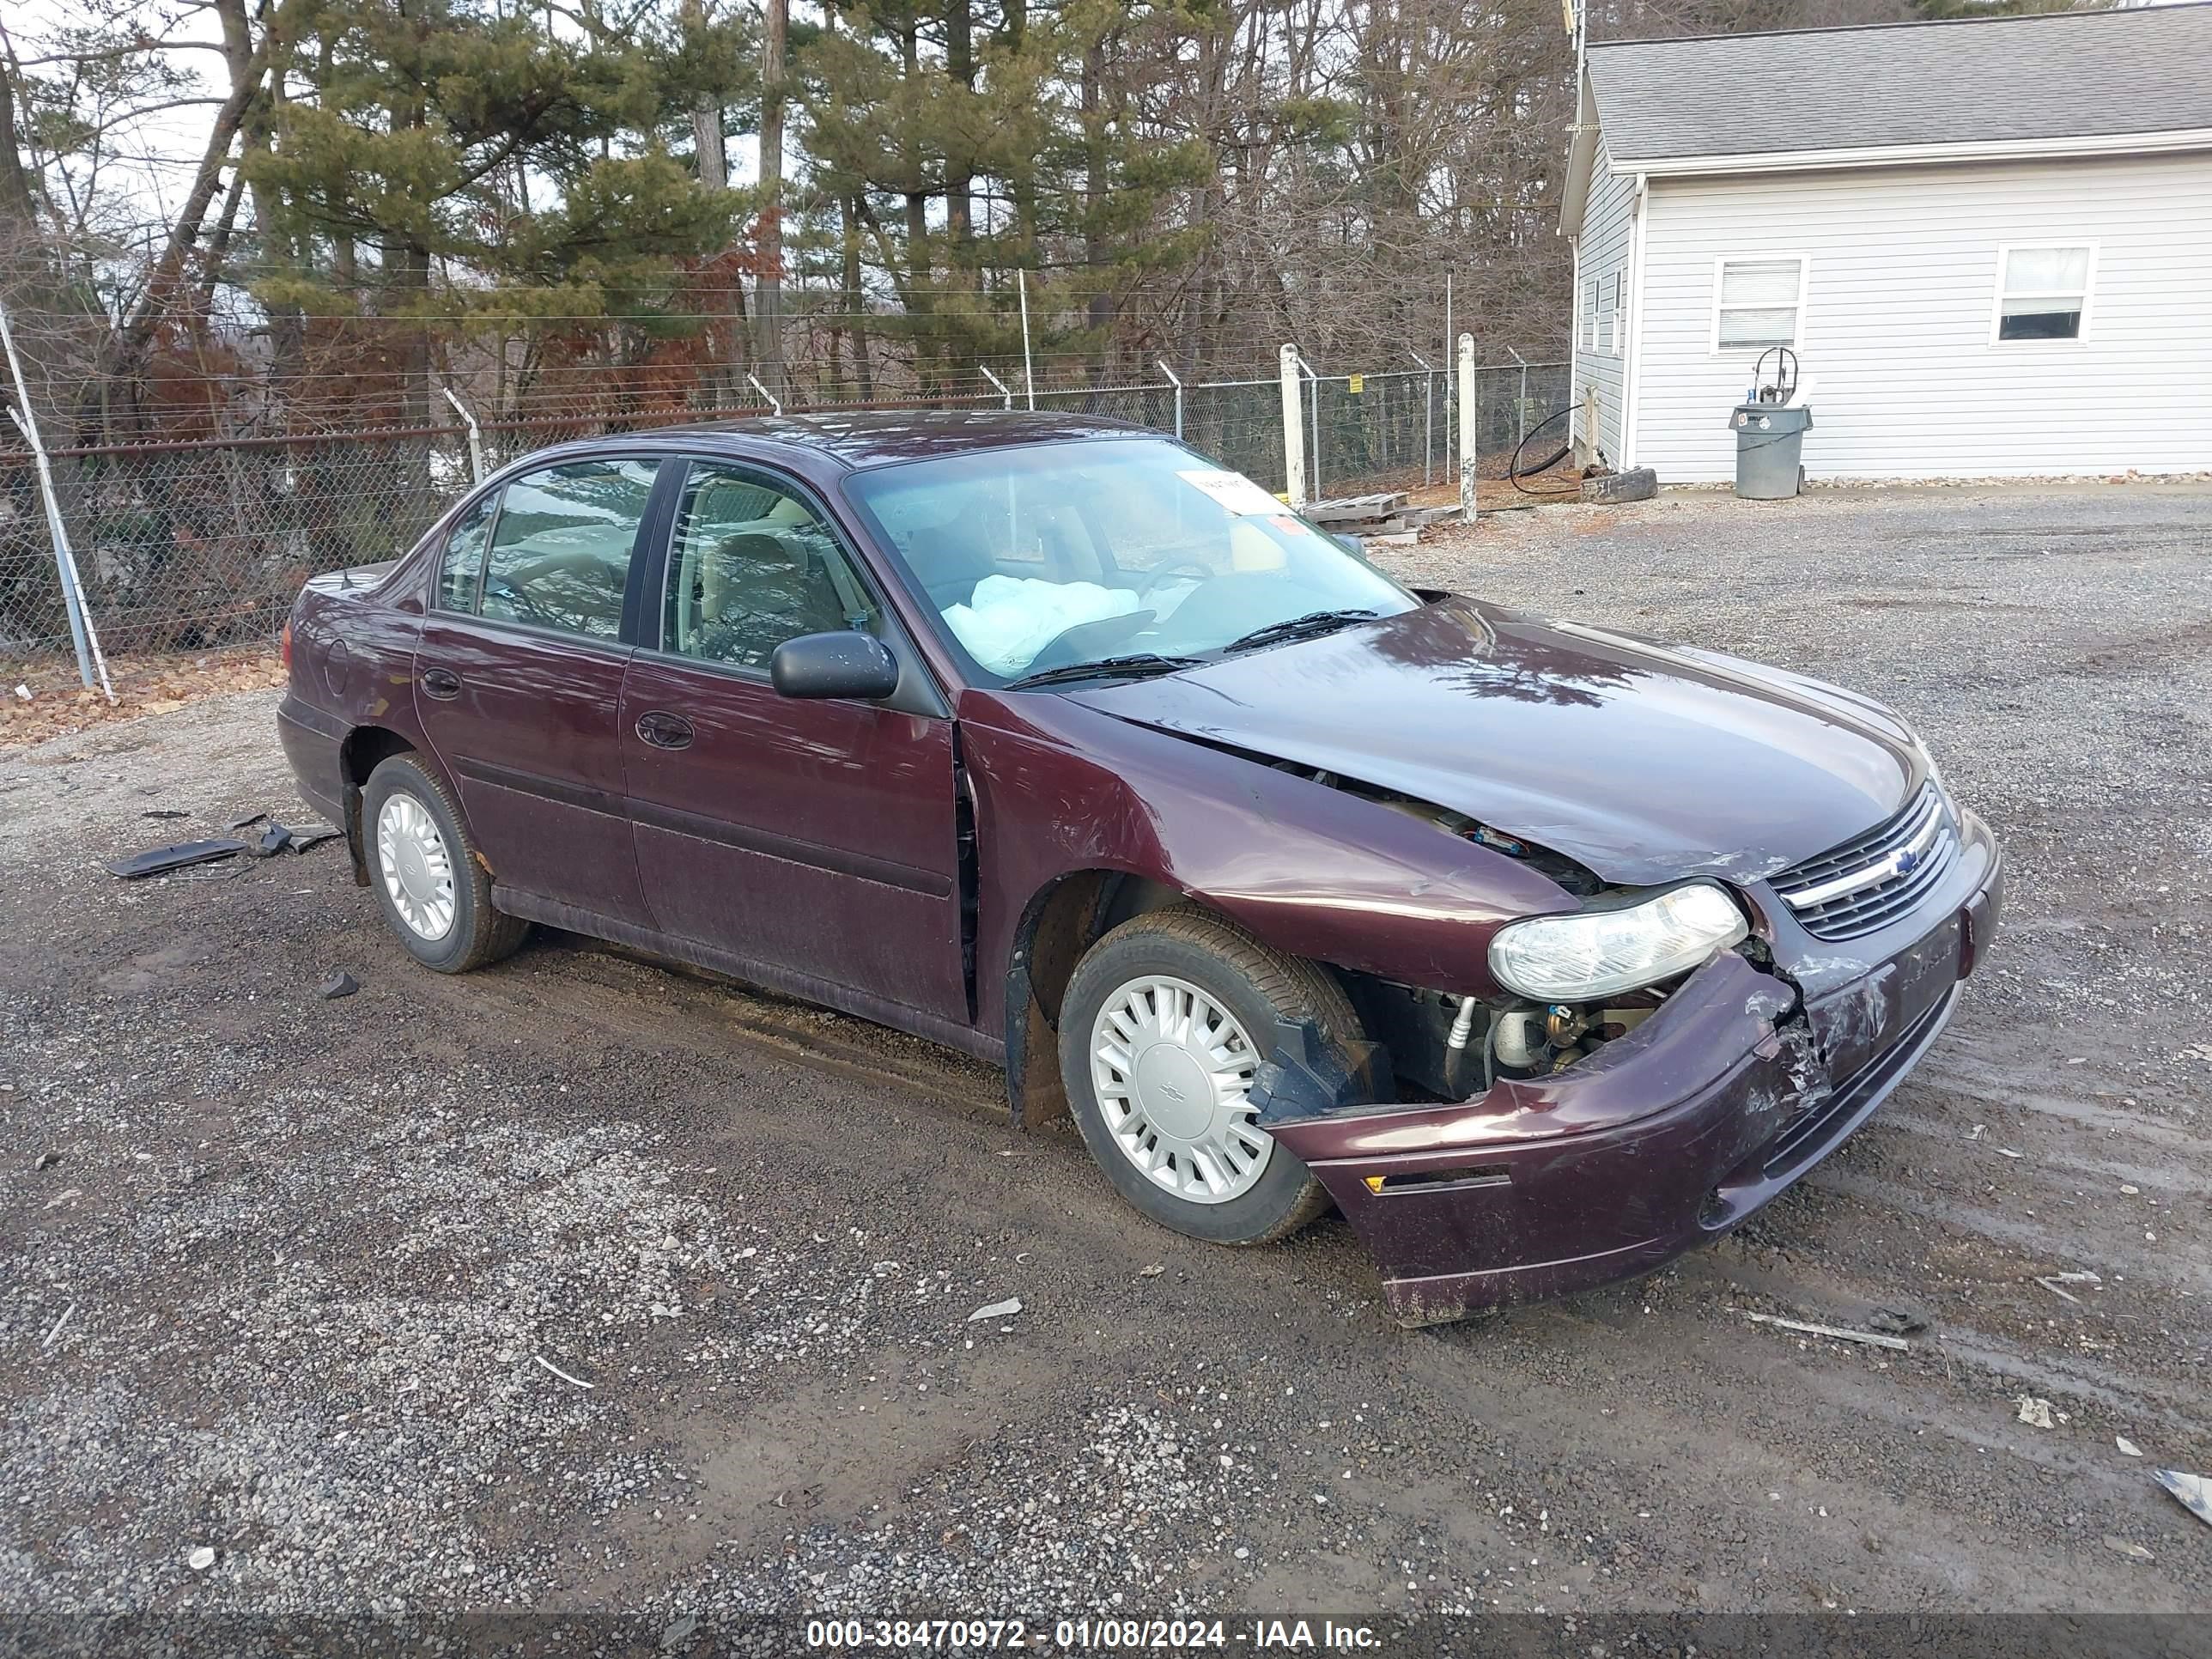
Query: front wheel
{"x": 1164, "y": 1023}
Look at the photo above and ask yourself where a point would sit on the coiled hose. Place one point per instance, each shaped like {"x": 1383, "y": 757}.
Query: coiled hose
{"x": 1516, "y": 472}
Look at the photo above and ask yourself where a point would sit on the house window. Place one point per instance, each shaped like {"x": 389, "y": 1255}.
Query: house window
{"x": 2043, "y": 293}
{"x": 1616, "y": 331}
{"x": 1590, "y": 313}
{"x": 1759, "y": 302}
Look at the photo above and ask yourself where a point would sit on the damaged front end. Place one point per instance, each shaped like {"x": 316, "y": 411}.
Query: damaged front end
{"x": 1555, "y": 1182}
{"x": 1550, "y": 1149}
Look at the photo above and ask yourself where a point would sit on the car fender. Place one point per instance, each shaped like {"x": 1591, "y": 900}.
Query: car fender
{"x": 1312, "y": 871}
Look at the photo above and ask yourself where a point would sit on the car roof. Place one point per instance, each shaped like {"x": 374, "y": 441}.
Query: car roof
{"x": 885, "y": 437}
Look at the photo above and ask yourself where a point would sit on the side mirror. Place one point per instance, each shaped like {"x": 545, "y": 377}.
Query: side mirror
{"x": 843, "y": 664}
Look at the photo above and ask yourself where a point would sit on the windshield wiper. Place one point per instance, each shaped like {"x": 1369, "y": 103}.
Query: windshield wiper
{"x": 1136, "y": 666}
{"x": 1297, "y": 627}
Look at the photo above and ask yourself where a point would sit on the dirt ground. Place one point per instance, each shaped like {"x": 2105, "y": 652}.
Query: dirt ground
{"x": 580, "y": 1284}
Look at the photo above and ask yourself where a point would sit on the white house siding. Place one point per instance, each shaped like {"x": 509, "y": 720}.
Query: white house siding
{"x": 1602, "y": 256}
{"x": 1896, "y": 329}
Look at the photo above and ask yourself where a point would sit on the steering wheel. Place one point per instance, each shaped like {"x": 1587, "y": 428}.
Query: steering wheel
{"x": 1072, "y": 644}
{"x": 1159, "y": 574}
{"x": 523, "y": 606}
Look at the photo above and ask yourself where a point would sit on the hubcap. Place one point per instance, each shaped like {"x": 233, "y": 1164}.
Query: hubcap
{"x": 416, "y": 867}
{"x": 1171, "y": 1068}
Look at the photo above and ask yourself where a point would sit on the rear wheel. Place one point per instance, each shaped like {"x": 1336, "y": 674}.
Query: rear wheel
{"x": 429, "y": 883}
{"x": 1164, "y": 1023}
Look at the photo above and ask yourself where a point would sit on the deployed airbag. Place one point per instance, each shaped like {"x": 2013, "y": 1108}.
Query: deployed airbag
{"x": 1009, "y": 619}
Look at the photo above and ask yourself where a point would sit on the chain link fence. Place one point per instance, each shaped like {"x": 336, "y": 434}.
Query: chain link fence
{"x": 205, "y": 542}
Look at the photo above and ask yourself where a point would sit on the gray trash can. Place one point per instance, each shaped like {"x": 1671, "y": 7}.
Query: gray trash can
{"x": 1769, "y": 450}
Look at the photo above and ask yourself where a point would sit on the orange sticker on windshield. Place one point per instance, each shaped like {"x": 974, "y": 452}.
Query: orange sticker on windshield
{"x": 1284, "y": 522}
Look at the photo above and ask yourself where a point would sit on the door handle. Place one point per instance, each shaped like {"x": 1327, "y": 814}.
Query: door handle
{"x": 664, "y": 730}
{"x": 442, "y": 683}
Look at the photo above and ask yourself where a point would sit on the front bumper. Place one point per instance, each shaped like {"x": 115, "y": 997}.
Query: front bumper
{"x": 1662, "y": 1138}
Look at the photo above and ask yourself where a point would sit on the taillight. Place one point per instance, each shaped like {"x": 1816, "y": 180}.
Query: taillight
{"x": 284, "y": 646}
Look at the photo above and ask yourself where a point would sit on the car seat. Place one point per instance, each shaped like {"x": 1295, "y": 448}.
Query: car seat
{"x": 756, "y": 590}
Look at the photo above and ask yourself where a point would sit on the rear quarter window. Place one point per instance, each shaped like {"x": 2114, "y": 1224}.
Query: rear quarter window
{"x": 460, "y": 569}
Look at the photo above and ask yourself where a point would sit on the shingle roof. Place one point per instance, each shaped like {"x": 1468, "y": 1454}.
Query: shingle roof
{"x": 2065, "y": 74}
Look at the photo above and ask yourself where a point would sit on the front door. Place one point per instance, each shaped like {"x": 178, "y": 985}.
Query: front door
{"x": 816, "y": 839}
{"x": 518, "y": 680}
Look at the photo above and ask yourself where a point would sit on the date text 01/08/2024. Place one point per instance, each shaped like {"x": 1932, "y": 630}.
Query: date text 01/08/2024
{"x": 1105, "y": 1634}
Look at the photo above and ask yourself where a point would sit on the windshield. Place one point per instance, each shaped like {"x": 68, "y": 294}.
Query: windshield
{"x": 1048, "y": 557}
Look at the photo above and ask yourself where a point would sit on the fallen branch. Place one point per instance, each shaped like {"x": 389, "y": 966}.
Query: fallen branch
{"x": 1874, "y": 1337}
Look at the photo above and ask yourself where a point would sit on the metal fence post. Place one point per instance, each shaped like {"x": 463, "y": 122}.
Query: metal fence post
{"x": 476, "y": 436}
{"x": 1451, "y": 399}
{"x": 1313, "y": 461}
{"x": 1006, "y": 396}
{"x": 1294, "y": 433}
{"x": 82, "y": 635}
{"x": 1467, "y": 428}
{"x": 1428, "y": 419}
{"x": 1520, "y": 409}
{"x": 773, "y": 402}
{"x": 1175, "y": 381}
{"x": 1029, "y": 375}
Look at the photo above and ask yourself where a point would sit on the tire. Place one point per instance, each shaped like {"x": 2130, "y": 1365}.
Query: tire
{"x": 473, "y": 933}
{"x": 1249, "y": 983}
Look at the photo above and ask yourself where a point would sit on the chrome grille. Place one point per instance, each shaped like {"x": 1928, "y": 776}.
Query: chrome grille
{"x": 1871, "y": 880}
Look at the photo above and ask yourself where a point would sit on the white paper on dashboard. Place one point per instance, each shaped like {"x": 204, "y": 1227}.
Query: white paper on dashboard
{"x": 1234, "y": 491}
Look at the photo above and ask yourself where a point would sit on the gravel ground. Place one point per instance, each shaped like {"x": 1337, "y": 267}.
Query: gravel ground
{"x": 581, "y": 1284}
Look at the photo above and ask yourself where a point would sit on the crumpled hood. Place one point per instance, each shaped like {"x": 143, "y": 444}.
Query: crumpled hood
{"x": 1644, "y": 762}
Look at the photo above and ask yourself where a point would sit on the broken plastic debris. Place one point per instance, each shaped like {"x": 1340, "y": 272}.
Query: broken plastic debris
{"x": 247, "y": 821}
{"x": 2192, "y": 1492}
{"x": 2033, "y": 1411}
{"x": 2051, "y": 1282}
{"x": 2123, "y": 1546}
{"x": 340, "y": 984}
{"x": 1898, "y": 1322}
{"x": 1837, "y": 1332}
{"x": 159, "y": 860}
{"x": 576, "y": 1381}
{"x": 274, "y": 840}
{"x": 1005, "y": 1310}
{"x": 1153, "y": 1272}
{"x": 24, "y": 692}
{"x": 2128, "y": 1447}
{"x": 201, "y": 1559}
{"x": 164, "y": 812}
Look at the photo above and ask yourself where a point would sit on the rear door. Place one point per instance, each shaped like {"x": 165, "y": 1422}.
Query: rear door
{"x": 519, "y": 674}
{"x": 818, "y": 839}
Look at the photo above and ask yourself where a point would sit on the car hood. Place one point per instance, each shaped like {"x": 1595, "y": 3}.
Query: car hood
{"x": 1644, "y": 762}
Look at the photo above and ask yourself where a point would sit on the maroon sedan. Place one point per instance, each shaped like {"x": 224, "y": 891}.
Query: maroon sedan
{"x": 1542, "y": 952}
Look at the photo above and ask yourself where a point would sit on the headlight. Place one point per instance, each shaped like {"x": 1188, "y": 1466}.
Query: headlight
{"x": 1934, "y": 773}
{"x": 1596, "y": 954}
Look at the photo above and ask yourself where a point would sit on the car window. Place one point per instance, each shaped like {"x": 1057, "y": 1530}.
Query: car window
{"x": 463, "y": 562}
{"x": 561, "y": 548}
{"x": 752, "y": 565}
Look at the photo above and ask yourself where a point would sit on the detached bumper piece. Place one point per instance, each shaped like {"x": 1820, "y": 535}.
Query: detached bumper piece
{"x": 159, "y": 860}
